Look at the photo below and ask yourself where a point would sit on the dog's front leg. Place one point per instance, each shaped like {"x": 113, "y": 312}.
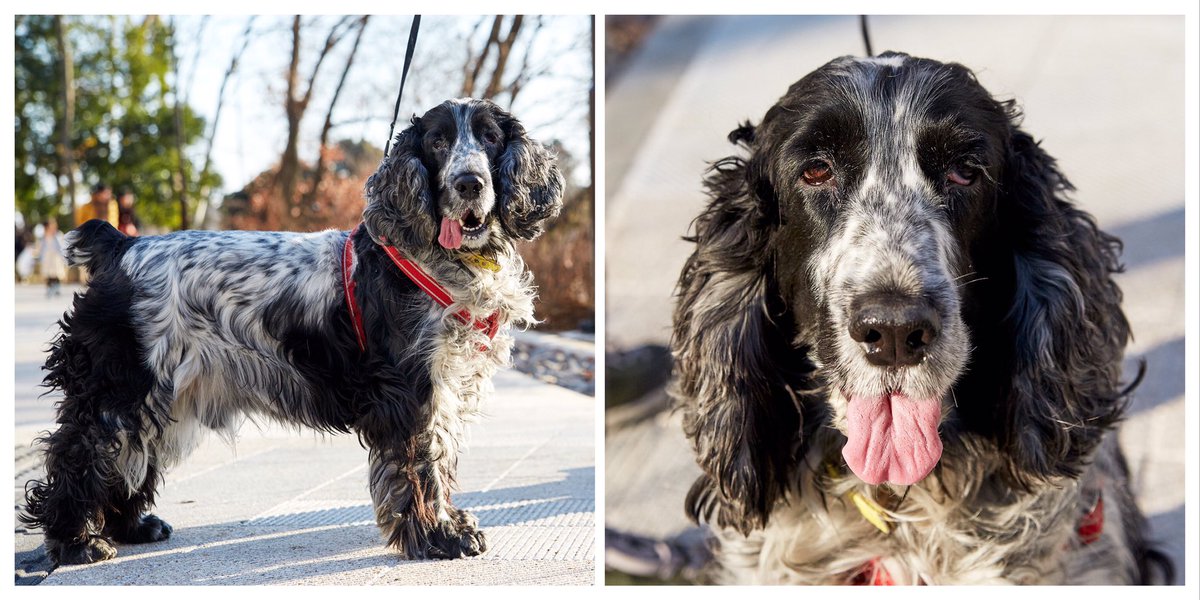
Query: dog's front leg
{"x": 410, "y": 486}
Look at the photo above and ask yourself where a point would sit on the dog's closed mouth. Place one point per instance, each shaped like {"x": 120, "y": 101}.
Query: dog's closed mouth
{"x": 892, "y": 437}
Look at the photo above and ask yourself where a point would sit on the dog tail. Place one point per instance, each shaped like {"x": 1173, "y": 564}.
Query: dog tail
{"x": 95, "y": 245}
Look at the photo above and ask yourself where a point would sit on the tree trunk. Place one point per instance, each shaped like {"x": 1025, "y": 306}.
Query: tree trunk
{"x": 319, "y": 170}
{"x": 181, "y": 163}
{"x": 202, "y": 202}
{"x": 503, "y": 49}
{"x": 289, "y": 163}
{"x": 474, "y": 69}
{"x": 66, "y": 152}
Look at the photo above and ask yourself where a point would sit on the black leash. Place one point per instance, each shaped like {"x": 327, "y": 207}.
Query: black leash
{"x": 862, "y": 22}
{"x": 412, "y": 43}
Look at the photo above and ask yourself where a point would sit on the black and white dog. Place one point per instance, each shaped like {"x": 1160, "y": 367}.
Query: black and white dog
{"x": 898, "y": 346}
{"x": 193, "y": 331}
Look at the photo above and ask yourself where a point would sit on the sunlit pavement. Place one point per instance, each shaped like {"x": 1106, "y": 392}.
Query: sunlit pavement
{"x": 292, "y": 507}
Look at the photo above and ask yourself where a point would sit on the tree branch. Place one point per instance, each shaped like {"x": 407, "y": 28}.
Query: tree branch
{"x": 502, "y": 52}
{"x": 202, "y": 203}
{"x": 319, "y": 171}
{"x": 493, "y": 38}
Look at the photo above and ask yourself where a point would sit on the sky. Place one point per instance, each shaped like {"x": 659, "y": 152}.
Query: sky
{"x": 252, "y": 131}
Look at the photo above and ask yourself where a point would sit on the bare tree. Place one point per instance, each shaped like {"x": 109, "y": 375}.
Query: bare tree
{"x": 477, "y": 62}
{"x": 202, "y": 203}
{"x": 66, "y": 155}
{"x": 319, "y": 170}
{"x": 295, "y": 105}
{"x": 181, "y": 164}
{"x": 503, "y": 50}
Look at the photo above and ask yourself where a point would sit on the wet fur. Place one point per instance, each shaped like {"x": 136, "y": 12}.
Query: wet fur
{"x": 1027, "y": 369}
{"x": 191, "y": 332}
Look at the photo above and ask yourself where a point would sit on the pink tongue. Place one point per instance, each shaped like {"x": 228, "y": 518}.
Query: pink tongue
{"x": 451, "y": 235}
{"x": 893, "y": 438}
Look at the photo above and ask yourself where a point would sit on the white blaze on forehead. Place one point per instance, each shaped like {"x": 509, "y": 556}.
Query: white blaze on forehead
{"x": 467, "y": 153}
{"x": 884, "y": 61}
{"x": 911, "y": 175}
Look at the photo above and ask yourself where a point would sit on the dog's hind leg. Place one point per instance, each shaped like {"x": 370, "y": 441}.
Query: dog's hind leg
{"x": 68, "y": 504}
{"x": 92, "y": 472}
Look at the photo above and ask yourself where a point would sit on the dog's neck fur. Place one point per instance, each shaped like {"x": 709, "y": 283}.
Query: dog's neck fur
{"x": 481, "y": 291}
{"x": 939, "y": 534}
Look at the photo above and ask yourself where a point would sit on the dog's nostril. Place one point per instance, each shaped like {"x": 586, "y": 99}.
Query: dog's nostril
{"x": 468, "y": 186}
{"x": 916, "y": 339}
{"x": 893, "y": 331}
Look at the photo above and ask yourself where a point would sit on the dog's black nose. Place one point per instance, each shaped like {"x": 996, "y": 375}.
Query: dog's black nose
{"x": 893, "y": 330}
{"x": 468, "y": 186}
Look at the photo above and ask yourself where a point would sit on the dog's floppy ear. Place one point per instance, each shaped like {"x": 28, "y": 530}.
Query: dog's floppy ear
{"x": 731, "y": 355}
{"x": 531, "y": 186}
{"x": 1064, "y": 325}
{"x": 400, "y": 208}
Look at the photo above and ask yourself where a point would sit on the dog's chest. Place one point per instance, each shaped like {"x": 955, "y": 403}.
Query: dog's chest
{"x": 927, "y": 538}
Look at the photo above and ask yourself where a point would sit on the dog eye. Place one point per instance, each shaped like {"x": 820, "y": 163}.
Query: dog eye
{"x": 817, "y": 173}
{"x": 962, "y": 175}
{"x": 491, "y": 137}
{"x": 439, "y": 143}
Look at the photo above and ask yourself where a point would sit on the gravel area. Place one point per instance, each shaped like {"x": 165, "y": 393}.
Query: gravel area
{"x": 566, "y": 360}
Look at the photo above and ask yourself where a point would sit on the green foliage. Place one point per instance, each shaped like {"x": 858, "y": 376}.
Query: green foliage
{"x": 124, "y": 129}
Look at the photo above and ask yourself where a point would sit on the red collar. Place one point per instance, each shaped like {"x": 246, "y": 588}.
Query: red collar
{"x": 414, "y": 272}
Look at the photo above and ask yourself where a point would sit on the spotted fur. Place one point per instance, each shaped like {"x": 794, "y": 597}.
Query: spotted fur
{"x": 191, "y": 332}
{"x": 933, "y": 193}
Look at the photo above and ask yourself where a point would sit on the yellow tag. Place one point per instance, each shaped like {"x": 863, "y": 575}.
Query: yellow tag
{"x": 871, "y": 511}
{"x": 482, "y": 262}
{"x": 868, "y": 508}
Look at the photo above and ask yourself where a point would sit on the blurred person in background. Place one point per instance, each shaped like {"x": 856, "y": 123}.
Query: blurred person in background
{"x": 24, "y": 252}
{"x": 52, "y": 259}
{"x": 127, "y": 221}
{"x": 101, "y": 206}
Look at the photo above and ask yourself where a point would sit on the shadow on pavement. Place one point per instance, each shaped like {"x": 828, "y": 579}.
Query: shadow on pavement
{"x": 1152, "y": 239}
{"x": 1163, "y": 382}
{"x": 1167, "y": 533}
{"x": 341, "y": 544}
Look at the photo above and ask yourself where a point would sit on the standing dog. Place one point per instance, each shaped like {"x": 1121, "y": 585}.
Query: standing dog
{"x": 899, "y": 345}
{"x": 195, "y": 330}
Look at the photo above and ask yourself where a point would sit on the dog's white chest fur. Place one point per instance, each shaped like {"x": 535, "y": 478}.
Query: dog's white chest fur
{"x": 941, "y": 532}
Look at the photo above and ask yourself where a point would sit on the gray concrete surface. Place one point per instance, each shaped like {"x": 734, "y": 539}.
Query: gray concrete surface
{"x": 291, "y": 507}
{"x": 1105, "y": 94}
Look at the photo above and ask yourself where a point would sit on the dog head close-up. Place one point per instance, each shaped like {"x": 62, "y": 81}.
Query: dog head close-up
{"x": 464, "y": 174}
{"x": 893, "y": 258}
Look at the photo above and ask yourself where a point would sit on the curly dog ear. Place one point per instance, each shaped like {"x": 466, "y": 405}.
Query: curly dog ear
{"x": 1065, "y": 329}
{"x": 400, "y": 207}
{"x": 733, "y": 357}
{"x": 530, "y": 184}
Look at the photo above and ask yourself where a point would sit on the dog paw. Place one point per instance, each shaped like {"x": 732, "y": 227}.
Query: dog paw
{"x": 95, "y": 549}
{"x": 459, "y": 538}
{"x": 149, "y": 529}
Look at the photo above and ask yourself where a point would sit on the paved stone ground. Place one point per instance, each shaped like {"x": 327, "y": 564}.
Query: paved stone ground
{"x": 1105, "y": 94}
{"x": 288, "y": 507}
